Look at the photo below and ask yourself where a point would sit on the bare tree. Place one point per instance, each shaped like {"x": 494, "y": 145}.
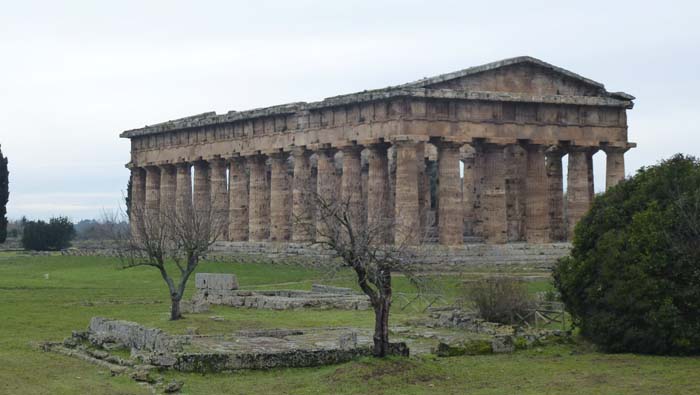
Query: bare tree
{"x": 170, "y": 239}
{"x": 366, "y": 249}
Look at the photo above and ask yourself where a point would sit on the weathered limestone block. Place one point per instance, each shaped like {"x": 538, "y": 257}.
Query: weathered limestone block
{"x": 555, "y": 194}
{"x": 183, "y": 190}
{"x": 219, "y": 197}
{"x": 259, "y": 209}
{"x": 493, "y": 195}
{"x": 451, "y": 218}
{"x": 103, "y": 331}
{"x": 378, "y": 209}
{"x": 280, "y": 199}
{"x": 406, "y": 197}
{"x": 536, "y": 214}
{"x": 201, "y": 195}
{"x": 302, "y": 210}
{"x": 238, "y": 200}
{"x": 216, "y": 281}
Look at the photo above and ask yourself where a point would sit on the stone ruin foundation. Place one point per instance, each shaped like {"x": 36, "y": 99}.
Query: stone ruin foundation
{"x": 222, "y": 289}
{"x": 443, "y": 332}
{"x": 259, "y": 349}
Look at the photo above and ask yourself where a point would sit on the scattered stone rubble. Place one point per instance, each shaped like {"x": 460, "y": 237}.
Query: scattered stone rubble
{"x": 500, "y": 338}
{"x": 222, "y": 289}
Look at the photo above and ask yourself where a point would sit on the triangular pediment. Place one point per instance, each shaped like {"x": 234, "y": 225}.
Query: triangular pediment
{"x": 518, "y": 75}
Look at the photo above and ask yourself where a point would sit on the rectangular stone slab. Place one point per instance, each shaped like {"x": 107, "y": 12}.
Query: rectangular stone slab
{"x": 216, "y": 281}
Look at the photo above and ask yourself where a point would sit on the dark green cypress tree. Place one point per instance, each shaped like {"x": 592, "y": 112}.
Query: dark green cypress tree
{"x": 4, "y": 196}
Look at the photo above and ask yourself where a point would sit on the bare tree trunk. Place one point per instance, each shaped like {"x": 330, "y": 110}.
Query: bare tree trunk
{"x": 175, "y": 313}
{"x": 381, "y": 327}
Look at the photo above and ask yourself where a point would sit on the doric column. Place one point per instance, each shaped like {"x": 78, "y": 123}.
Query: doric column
{"x": 280, "y": 198}
{"x": 138, "y": 198}
{"x": 429, "y": 184}
{"x": 259, "y": 205}
{"x": 406, "y": 206}
{"x": 238, "y": 200}
{"x": 492, "y": 212}
{"x": 591, "y": 180}
{"x": 168, "y": 176}
{"x": 219, "y": 197}
{"x": 516, "y": 171}
{"x": 302, "y": 189}
{"x": 365, "y": 183}
{"x": 183, "y": 190}
{"x": 378, "y": 192}
{"x": 555, "y": 193}
{"x": 579, "y": 186}
{"x": 614, "y": 166}
{"x": 468, "y": 193}
{"x": 152, "y": 192}
{"x": 391, "y": 158}
{"x": 325, "y": 177}
{"x": 449, "y": 195}
{"x": 325, "y": 183}
{"x": 423, "y": 187}
{"x": 351, "y": 184}
{"x": 479, "y": 165}
{"x": 536, "y": 196}
{"x": 201, "y": 196}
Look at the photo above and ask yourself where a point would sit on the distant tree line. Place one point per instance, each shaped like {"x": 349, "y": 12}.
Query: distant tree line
{"x": 54, "y": 235}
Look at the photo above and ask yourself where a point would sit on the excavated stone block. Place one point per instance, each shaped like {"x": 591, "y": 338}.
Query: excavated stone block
{"x": 216, "y": 281}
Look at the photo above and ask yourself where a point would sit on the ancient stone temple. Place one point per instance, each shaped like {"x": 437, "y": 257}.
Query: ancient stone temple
{"x": 470, "y": 156}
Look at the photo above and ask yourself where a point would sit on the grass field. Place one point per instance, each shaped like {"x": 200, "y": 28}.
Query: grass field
{"x": 44, "y": 298}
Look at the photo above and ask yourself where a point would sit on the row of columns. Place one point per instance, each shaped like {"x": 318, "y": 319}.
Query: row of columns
{"x": 507, "y": 193}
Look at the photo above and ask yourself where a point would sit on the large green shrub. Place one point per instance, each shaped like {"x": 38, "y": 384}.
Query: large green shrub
{"x": 632, "y": 282}
{"x": 48, "y": 236}
{"x": 500, "y": 299}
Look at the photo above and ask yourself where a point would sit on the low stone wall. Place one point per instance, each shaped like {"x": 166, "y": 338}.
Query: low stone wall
{"x": 434, "y": 256}
{"x": 222, "y": 289}
{"x": 282, "y": 300}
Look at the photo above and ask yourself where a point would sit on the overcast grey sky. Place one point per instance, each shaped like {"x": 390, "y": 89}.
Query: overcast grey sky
{"x": 74, "y": 74}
